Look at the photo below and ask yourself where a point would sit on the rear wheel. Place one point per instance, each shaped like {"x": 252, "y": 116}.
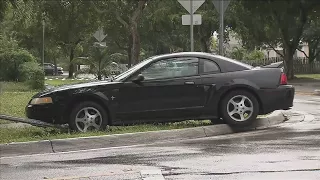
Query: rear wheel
{"x": 88, "y": 116}
{"x": 239, "y": 108}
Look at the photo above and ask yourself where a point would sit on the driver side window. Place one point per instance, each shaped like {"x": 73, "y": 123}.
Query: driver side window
{"x": 171, "y": 68}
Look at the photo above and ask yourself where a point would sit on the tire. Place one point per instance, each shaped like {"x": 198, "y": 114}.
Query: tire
{"x": 239, "y": 102}
{"x": 86, "y": 112}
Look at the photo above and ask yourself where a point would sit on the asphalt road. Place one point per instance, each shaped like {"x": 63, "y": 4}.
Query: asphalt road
{"x": 290, "y": 151}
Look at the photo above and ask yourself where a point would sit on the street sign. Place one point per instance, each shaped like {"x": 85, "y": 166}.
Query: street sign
{"x": 195, "y": 5}
{"x": 217, "y": 3}
{"x": 186, "y": 19}
{"x": 99, "y": 35}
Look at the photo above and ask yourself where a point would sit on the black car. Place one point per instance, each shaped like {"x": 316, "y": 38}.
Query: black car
{"x": 166, "y": 88}
{"x": 49, "y": 69}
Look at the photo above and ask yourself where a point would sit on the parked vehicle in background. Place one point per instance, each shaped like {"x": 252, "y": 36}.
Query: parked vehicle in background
{"x": 49, "y": 69}
{"x": 168, "y": 88}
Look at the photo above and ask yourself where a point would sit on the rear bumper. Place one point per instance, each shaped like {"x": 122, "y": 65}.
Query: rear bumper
{"x": 280, "y": 98}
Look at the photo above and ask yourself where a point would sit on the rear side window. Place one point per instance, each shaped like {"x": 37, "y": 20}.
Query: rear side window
{"x": 209, "y": 66}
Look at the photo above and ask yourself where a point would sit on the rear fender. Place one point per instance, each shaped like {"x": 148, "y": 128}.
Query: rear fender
{"x": 225, "y": 88}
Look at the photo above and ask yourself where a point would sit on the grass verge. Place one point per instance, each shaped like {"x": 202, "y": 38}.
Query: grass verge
{"x": 14, "y": 87}
{"x": 8, "y": 135}
{"x": 308, "y": 76}
{"x": 13, "y": 104}
{"x": 60, "y": 82}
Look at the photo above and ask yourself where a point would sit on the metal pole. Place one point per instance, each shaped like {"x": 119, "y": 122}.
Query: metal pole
{"x": 191, "y": 26}
{"x": 221, "y": 29}
{"x": 43, "y": 28}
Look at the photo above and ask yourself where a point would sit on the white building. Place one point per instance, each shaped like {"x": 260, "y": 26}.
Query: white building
{"x": 269, "y": 53}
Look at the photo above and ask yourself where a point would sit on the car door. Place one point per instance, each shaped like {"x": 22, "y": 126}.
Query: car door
{"x": 171, "y": 90}
{"x": 211, "y": 78}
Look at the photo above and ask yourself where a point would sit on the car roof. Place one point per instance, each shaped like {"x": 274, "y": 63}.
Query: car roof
{"x": 229, "y": 64}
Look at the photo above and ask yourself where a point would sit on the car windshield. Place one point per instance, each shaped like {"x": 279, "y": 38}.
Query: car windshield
{"x": 133, "y": 69}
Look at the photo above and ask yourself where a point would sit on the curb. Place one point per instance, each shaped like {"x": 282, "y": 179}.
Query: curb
{"x": 116, "y": 140}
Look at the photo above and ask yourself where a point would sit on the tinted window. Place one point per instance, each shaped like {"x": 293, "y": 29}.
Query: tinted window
{"x": 171, "y": 68}
{"x": 210, "y": 66}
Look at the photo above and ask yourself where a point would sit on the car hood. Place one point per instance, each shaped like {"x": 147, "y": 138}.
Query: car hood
{"x": 51, "y": 89}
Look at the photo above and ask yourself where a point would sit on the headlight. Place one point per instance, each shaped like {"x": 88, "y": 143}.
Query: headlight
{"x": 44, "y": 100}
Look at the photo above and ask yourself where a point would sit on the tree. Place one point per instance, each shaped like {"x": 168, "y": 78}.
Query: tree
{"x": 311, "y": 36}
{"x": 72, "y": 22}
{"x": 125, "y": 17}
{"x": 99, "y": 60}
{"x": 273, "y": 23}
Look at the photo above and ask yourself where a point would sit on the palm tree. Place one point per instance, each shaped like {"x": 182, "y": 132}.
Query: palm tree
{"x": 100, "y": 60}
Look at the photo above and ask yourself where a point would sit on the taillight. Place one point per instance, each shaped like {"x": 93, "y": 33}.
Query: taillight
{"x": 283, "y": 79}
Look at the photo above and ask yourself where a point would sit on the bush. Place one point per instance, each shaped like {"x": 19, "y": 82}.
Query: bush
{"x": 255, "y": 55}
{"x": 32, "y": 73}
{"x": 10, "y": 62}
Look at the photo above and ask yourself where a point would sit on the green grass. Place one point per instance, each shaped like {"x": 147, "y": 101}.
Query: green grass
{"x": 14, "y": 87}
{"x": 310, "y": 76}
{"x": 60, "y": 82}
{"x": 14, "y": 103}
{"x": 34, "y": 133}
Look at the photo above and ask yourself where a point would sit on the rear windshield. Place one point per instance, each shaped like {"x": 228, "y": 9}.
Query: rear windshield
{"x": 236, "y": 62}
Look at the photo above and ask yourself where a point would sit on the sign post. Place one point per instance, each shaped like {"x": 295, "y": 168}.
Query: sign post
{"x": 221, "y": 39}
{"x": 191, "y": 6}
{"x": 221, "y": 6}
{"x": 191, "y": 27}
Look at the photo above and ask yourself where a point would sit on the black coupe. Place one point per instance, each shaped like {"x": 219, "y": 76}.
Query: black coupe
{"x": 166, "y": 88}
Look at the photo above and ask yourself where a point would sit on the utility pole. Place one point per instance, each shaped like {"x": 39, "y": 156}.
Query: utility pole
{"x": 221, "y": 29}
{"x": 43, "y": 30}
{"x": 191, "y": 26}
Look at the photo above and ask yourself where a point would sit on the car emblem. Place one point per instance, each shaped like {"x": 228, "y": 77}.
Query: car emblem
{"x": 112, "y": 98}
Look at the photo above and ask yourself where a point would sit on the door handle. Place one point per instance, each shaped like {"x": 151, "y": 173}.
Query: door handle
{"x": 189, "y": 83}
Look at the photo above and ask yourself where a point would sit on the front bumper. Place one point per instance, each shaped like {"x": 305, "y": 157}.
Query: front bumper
{"x": 40, "y": 112}
{"x": 280, "y": 98}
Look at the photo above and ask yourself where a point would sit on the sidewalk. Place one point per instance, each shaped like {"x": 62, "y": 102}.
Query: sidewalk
{"x": 308, "y": 88}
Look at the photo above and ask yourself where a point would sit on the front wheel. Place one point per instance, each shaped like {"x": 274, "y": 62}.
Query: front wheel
{"x": 239, "y": 108}
{"x": 88, "y": 116}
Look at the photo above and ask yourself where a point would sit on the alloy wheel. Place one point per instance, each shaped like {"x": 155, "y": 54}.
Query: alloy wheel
{"x": 240, "y": 108}
{"x": 88, "y": 118}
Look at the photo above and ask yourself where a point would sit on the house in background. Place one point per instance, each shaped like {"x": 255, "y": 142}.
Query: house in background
{"x": 234, "y": 42}
{"x": 270, "y": 53}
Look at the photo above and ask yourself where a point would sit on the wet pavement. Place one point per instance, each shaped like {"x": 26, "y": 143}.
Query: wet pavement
{"x": 287, "y": 151}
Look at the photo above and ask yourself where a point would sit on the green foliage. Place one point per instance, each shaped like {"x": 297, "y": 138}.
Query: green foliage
{"x": 98, "y": 61}
{"x": 32, "y": 73}
{"x": 238, "y": 53}
{"x": 254, "y": 55}
{"x": 10, "y": 62}
{"x": 243, "y": 54}
{"x": 273, "y": 23}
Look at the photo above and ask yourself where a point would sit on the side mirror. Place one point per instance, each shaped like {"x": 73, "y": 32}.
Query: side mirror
{"x": 139, "y": 78}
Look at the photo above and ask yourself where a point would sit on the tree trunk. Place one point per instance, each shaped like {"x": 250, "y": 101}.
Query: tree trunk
{"x": 288, "y": 62}
{"x": 71, "y": 66}
{"x": 204, "y": 44}
{"x": 99, "y": 70}
{"x": 135, "y": 49}
{"x": 133, "y": 29}
{"x": 129, "y": 52}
